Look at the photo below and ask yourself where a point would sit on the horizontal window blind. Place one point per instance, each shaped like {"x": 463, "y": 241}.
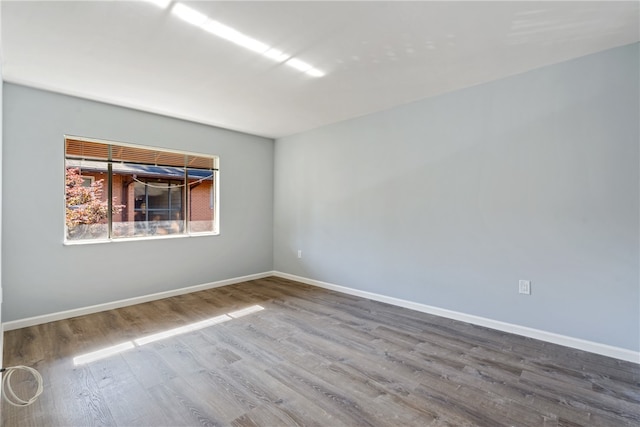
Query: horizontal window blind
{"x": 91, "y": 150}
{"x": 86, "y": 150}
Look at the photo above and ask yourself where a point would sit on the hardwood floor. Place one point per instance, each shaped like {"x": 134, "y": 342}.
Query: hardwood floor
{"x": 309, "y": 357}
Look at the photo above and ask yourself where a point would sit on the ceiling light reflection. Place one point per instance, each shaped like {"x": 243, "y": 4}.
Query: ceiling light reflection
{"x": 162, "y": 4}
{"x": 314, "y": 72}
{"x": 276, "y": 54}
{"x": 228, "y": 33}
{"x": 189, "y": 15}
{"x": 216, "y": 28}
{"x": 298, "y": 65}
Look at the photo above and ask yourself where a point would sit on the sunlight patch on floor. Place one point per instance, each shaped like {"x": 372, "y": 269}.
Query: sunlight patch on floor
{"x": 128, "y": 345}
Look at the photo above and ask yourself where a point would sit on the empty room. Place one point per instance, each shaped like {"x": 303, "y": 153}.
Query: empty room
{"x": 332, "y": 213}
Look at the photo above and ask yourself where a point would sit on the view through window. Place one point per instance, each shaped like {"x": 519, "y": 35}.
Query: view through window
{"x": 116, "y": 191}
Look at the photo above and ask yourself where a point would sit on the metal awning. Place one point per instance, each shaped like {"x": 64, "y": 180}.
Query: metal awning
{"x": 140, "y": 170}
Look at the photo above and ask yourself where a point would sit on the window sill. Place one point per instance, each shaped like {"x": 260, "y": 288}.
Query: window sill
{"x": 136, "y": 239}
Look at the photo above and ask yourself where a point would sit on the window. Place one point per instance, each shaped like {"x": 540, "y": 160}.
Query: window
{"x": 87, "y": 181}
{"x": 119, "y": 191}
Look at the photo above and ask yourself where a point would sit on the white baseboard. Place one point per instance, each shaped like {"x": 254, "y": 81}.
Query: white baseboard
{"x": 46, "y": 318}
{"x": 577, "y": 343}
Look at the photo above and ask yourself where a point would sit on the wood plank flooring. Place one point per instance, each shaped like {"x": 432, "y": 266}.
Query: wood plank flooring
{"x": 310, "y": 357}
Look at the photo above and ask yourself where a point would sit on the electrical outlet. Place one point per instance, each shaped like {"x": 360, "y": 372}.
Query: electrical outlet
{"x": 524, "y": 287}
{"x": 299, "y": 253}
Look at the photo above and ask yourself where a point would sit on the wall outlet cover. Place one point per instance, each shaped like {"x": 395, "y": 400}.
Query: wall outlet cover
{"x": 524, "y": 287}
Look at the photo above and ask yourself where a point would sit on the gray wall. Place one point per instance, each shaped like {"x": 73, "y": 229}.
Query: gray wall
{"x": 42, "y": 276}
{"x": 450, "y": 200}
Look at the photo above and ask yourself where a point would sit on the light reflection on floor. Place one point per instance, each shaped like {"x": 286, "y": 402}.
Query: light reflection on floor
{"x": 128, "y": 345}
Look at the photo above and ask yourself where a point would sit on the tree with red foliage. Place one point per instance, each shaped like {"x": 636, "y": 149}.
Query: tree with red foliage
{"x": 86, "y": 211}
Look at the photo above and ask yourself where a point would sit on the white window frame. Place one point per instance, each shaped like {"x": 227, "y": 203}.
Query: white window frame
{"x": 214, "y": 198}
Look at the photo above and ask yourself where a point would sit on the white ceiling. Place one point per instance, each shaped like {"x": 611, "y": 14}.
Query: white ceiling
{"x": 376, "y": 55}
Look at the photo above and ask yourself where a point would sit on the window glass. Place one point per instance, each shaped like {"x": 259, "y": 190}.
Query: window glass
{"x": 86, "y": 205}
{"x": 201, "y": 208}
